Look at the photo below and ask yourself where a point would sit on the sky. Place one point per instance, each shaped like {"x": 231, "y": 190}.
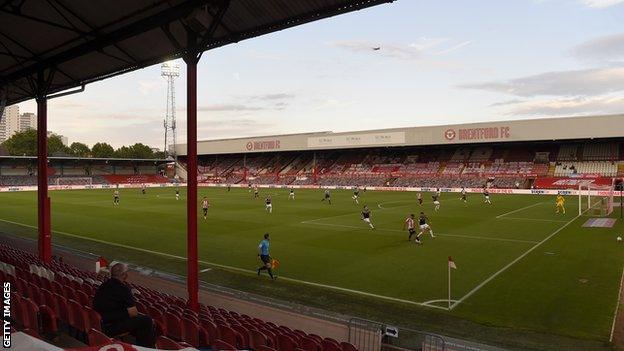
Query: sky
{"x": 439, "y": 62}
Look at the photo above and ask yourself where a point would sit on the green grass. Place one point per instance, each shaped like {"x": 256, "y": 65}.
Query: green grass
{"x": 564, "y": 291}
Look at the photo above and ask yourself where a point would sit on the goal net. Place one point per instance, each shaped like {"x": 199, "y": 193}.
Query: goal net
{"x": 595, "y": 200}
{"x": 74, "y": 181}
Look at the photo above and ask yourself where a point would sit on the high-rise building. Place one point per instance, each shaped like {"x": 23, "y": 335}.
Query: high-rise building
{"x": 27, "y": 120}
{"x": 9, "y": 122}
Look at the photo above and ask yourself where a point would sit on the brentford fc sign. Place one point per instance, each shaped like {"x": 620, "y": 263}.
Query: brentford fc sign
{"x": 262, "y": 145}
{"x": 488, "y": 133}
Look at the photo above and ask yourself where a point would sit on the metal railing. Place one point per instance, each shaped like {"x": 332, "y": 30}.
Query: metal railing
{"x": 369, "y": 335}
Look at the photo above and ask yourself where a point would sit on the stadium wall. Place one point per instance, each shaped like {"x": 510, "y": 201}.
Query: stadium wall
{"x": 412, "y": 189}
{"x": 569, "y": 128}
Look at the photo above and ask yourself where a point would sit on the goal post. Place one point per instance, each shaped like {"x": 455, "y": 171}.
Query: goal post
{"x": 595, "y": 200}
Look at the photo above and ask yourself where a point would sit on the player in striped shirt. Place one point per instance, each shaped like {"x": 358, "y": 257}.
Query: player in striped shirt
{"x": 436, "y": 201}
{"x": 486, "y": 196}
{"x": 268, "y": 204}
{"x": 409, "y": 223}
{"x": 205, "y": 205}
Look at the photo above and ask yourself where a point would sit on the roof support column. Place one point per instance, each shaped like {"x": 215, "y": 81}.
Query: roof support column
{"x": 43, "y": 201}
{"x": 192, "y": 274}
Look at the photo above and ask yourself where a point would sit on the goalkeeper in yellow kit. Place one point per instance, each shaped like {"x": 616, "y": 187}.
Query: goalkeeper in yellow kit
{"x": 560, "y": 201}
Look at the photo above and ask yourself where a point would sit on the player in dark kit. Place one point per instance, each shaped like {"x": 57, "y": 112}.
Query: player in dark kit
{"x": 116, "y": 197}
{"x": 424, "y": 225}
{"x": 366, "y": 216}
{"x": 256, "y": 192}
{"x": 229, "y": 187}
{"x": 143, "y": 189}
{"x": 327, "y": 196}
{"x": 356, "y": 195}
{"x": 463, "y": 195}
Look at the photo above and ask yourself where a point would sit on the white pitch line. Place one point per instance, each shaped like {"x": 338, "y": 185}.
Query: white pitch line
{"x": 394, "y": 299}
{"x": 450, "y": 235}
{"x": 617, "y": 307}
{"x": 490, "y": 278}
{"x": 534, "y": 219}
{"x": 518, "y": 210}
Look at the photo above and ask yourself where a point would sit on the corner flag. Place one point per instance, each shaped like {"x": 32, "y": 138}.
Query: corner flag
{"x": 451, "y": 263}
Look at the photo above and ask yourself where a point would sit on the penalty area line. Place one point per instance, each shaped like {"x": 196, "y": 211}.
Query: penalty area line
{"x": 332, "y": 287}
{"x": 496, "y": 274}
{"x": 518, "y": 210}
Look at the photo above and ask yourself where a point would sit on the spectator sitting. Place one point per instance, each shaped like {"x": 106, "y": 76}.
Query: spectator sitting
{"x": 115, "y": 303}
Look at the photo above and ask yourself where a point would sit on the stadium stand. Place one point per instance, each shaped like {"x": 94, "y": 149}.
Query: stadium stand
{"x": 21, "y": 171}
{"x": 56, "y": 298}
{"x": 504, "y": 166}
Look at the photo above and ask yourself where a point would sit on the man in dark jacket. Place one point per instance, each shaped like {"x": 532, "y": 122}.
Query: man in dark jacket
{"x": 117, "y": 307}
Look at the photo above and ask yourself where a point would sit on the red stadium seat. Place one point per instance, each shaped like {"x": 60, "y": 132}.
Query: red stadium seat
{"x": 190, "y": 332}
{"x": 95, "y": 321}
{"x": 211, "y": 329}
{"x": 347, "y": 346}
{"x": 331, "y": 345}
{"x": 164, "y": 343}
{"x": 220, "y": 345}
{"x": 258, "y": 339}
{"x": 309, "y": 344}
{"x": 48, "y": 320}
{"x": 62, "y": 308}
{"x": 228, "y": 335}
{"x": 29, "y": 317}
{"x": 265, "y": 348}
{"x": 244, "y": 333}
{"x": 79, "y": 319}
{"x": 286, "y": 342}
{"x": 173, "y": 326}
{"x": 96, "y": 338}
{"x": 83, "y": 298}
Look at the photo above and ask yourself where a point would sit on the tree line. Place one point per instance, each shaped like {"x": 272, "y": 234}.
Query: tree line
{"x": 25, "y": 144}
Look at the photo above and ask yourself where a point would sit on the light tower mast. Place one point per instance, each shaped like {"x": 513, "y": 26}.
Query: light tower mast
{"x": 170, "y": 70}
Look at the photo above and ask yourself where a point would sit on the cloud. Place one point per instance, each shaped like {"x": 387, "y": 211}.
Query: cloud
{"x": 602, "y": 3}
{"x": 418, "y": 50}
{"x": 588, "y": 82}
{"x": 608, "y": 48}
{"x": 454, "y": 47}
{"x": 602, "y": 105}
{"x": 506, "y": 103}
{"x": 228, "y": 108}
{"x": 276, "y": 96}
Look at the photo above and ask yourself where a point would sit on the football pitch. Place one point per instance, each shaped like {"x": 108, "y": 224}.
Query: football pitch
{"x": 519, "y": 265}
